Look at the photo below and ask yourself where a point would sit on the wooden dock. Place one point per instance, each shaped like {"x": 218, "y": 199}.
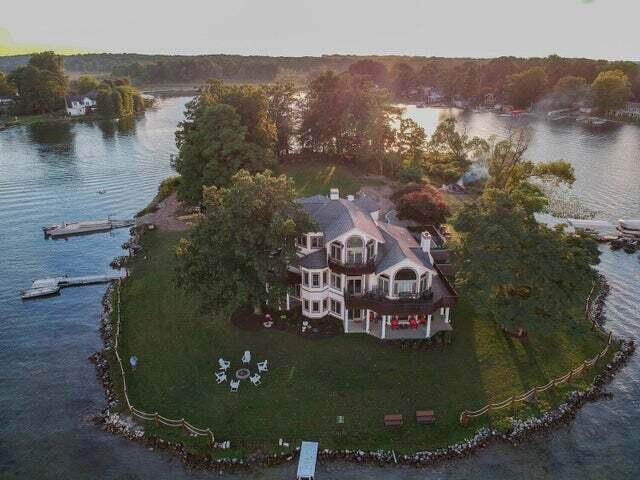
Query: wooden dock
{"x": 51, "y": 286}
{"x": 85, "y": 228}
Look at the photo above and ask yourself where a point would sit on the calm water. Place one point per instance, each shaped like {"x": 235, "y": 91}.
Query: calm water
{"x": 48, "y": 388}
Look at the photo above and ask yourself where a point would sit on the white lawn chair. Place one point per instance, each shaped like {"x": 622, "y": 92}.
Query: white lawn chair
{"x": 263, "y": 367}
{"x": 255, "y": 379}
{"x": 234, "y": 385}
{"x": 224, "y": 364}
{"x": 246, "y": 357}
{"x": 221, "y": 377}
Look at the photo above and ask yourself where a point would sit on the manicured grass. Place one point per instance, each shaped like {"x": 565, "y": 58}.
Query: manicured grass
{"x": 317, "y": 177}
{"x": 310, "y": 382}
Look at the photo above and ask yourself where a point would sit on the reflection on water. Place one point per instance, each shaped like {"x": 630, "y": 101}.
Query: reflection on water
{"x": 48, "y": 388}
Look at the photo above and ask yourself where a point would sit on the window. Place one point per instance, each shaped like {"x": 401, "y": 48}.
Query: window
{"x": 302, "y": 241}
{"x": 336, "y": 307}
{"x": 354, "y": 286}
{"x": 324, "y": 278}
{"x": 336, "y": 281}
{"x": 405, "y": 282}
{"x": 315, "y": 307}
{"x": 355, "y": 250}
{"x": 324, "y": 305}
{"x": 423, "y": 282}
{"x": 316, "y": 241}
{"x": 371, "y": 249}
{"x": 315, "y": 280}
{"x": 306, "y": 305}
{"x": 383, "y": 284}
{"x": 305, "y": 279}
{"x": 354, "y": 314}
{"x": 336, "y": 251}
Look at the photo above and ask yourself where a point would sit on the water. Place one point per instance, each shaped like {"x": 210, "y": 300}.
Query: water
{"x": 48, "y": 388}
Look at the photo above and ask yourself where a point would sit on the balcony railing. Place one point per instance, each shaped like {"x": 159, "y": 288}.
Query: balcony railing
{"x": 352, "y": 268}
{"x": 404, "y": 303}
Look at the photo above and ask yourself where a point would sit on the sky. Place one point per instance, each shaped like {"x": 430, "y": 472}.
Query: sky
{"x": 453, "y": 28}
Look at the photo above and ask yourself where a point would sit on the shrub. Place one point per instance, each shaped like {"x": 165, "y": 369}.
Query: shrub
{"x": 409, "y": 174}
{"x": 425, "y": 206}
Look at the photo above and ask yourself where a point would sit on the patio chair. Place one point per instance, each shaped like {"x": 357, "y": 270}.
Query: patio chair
{"x": 263, "y": 367}
{"x": 246, "y": 357}
{"x": 413, "y": 323}
{"x": 234, "y": 385}
{"x": 224, "y": 364}
{"x": 221, "y": 377}
{"x": 255, "y": 379}
{"x": 395, "y": 324}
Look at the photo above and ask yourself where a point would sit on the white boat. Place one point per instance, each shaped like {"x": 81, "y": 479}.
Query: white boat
{"x": 629, "y": 224}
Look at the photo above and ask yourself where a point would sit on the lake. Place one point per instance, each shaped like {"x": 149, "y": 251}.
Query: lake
{"x": 48, "y": 390}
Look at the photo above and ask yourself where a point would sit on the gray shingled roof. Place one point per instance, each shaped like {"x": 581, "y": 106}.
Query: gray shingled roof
{"x": 367, "y": 204}
{"x": 314, "y": 260}
{"x": 337, "y": 217}
{"x": 399, "y": 245}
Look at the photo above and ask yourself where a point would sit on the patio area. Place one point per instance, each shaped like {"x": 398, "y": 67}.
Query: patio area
{"x": 405, "y": 331}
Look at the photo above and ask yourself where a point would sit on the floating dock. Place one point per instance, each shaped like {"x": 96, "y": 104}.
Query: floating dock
{"x": 84, "y": 228}
{"x": 52, "y": 286}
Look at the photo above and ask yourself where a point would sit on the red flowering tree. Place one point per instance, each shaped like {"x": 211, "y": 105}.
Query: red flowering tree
{"x": 425, "y": 206}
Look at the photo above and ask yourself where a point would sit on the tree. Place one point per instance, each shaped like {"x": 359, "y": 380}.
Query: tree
{"x": 611, "y": 90}
{"x": 118, "y": 98}
{"x": 250, "y": 102}
{"x": 450, "y": 152}
{"x": 214, "y": 149}
{"x": 570, "y": 90}
{"x": 425, "y": 206}
{"x": 526, "y": 88}
{"x": 41, "y": 84}
{"x": 403, "y": 79}
{"x": 517, "y": 272}
{"x": 374, "y": 71}
{"x": 281, "y": 101}
{"x": 245, "y": 242}
{"x": 510, "y": 171}
{"x": 85, "y": 84}
{"x": 7, "y": 88}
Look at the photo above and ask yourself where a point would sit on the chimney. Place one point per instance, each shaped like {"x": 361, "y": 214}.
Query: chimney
{"x": 334, "y": 194}
{"x": 425, "y": 242}
{"x": 350, "y": 198}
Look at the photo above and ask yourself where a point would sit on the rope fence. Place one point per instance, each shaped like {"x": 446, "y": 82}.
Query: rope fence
{"x": 155, "y": 417}
{"x": 465, "y": 415}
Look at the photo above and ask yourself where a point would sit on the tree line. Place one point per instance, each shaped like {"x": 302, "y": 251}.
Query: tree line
{"x": 41, "y": 85}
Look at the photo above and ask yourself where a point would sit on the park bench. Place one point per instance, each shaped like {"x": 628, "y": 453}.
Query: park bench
{"x": 425, "y": 416}
{"x": 392, "y": 420}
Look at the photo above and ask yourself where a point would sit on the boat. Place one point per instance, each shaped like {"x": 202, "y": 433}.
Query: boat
{"x": 629, "y": 224}
{"x": 80, "y": 228}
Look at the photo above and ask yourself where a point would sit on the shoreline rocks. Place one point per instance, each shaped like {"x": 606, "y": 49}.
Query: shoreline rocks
{"x": 521, "y": 430}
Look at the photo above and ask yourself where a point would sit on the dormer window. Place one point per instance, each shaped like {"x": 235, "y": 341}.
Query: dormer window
{"x": 371, "y": 249}
{"x": 301, "y": 241}
{"x": 336, "y": 251}
{"x": 316, "y": 241}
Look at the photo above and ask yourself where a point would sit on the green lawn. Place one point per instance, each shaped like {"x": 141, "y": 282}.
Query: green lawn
{"x": 312, "y": 381}
{"x": 317, "y": 177}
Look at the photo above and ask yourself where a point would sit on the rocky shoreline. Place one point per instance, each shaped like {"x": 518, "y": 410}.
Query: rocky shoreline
{"x": 520, "y": 431}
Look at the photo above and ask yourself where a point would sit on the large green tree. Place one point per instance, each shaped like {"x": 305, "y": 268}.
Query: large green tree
{"x": 214, "y": 148}
{"x": 41, "y": 84}
{"x": 244, "y": 243}
{"x": 7, "y": 88}
{"x": 526, "y": 88}
{"x": 281, "y": 99}
{"x": 250, "y": 102}
{"x": 569, "y": 90}
{"x": 611, "y": 90}
{"x": 517, "y": 272}
{"x": 450, "y": 152}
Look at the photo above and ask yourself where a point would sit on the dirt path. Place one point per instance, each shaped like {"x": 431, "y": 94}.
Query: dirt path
{"x": 167, "y": 217}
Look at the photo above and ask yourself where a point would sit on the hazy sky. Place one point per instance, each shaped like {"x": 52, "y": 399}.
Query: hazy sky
{"x": 475, "y": 28}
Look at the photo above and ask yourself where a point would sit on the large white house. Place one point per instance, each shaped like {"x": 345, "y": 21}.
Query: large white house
{"x": 377, "y": 278}
{"x": 77, "y": 105}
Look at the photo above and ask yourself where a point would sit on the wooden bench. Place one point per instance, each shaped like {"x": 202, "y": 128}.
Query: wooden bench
{"x": 425, "y": 416}
{"x": 392, "y": 420}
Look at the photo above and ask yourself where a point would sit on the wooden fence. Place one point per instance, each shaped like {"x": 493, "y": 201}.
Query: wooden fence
{"x": 156, "y": 417}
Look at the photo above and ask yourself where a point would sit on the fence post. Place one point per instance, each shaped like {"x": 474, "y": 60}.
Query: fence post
{"x": 210, "y": 437}
{"x": 156, "y": 419}
{"x": 464, "y": 420}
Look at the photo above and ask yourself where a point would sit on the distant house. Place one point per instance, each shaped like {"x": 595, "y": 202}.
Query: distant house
{"x": 631, "y": 111}
{"x": 6, "y": 104}
{"x": 431, "y": 95}
{"x": 489, "y": 99}
{"x": 77, "y": 105}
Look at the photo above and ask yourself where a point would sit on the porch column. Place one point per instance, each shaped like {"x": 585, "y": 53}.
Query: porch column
{"x": 384, "y": 326}
{"x": 446, "y": 315}
{"x": 367, "y": 311}
{"x": 428, "y": 326}
{"x": 346, "y": 321}
{"x": 288, "y": 301}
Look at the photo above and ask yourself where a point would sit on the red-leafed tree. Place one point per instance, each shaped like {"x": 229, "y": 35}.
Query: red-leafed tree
{"x": 425, "y": 206}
